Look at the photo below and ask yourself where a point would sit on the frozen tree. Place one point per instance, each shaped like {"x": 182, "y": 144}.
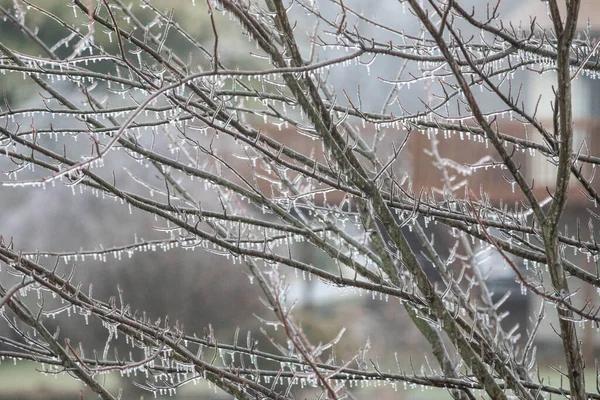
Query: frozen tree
{"x": 420, "y": 148}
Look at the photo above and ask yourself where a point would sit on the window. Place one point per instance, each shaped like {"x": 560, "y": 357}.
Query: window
{"x": 543, "y": 169}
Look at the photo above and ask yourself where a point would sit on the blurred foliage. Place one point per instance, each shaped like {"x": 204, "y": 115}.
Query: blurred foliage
{"x": 191, "y": 16}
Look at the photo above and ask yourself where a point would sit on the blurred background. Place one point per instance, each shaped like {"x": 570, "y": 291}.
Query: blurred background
{"x": 206, "y": 292}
